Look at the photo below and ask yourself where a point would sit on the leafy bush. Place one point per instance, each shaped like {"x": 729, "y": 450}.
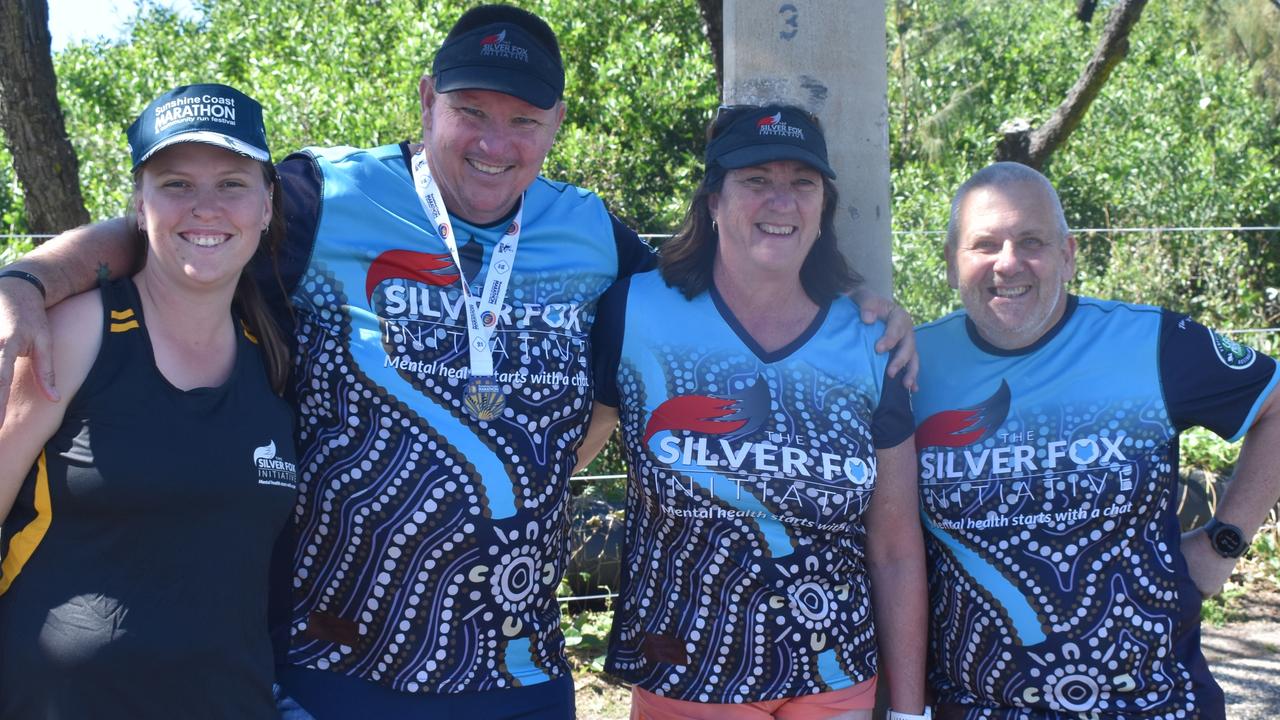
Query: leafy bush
{"x": 332, "y": 72}
{"x": 1178, "y": 137}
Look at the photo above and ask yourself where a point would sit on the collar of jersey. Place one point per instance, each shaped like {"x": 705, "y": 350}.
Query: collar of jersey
{"x": 983, "y": 345}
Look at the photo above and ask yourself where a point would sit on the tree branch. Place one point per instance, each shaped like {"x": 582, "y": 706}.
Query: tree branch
{"x": 1034, "y": 147}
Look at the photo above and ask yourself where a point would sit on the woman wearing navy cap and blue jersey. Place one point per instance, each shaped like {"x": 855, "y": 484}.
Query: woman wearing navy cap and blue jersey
{"x": 140, "y": 509}
{"x": 773, "y": 560}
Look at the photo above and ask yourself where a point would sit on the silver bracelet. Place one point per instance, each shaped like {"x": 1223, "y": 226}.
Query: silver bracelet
{"x": 895, "y": 715}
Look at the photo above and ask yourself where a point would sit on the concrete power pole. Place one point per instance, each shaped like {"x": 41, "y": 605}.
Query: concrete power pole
{"x": 827, "y": 56}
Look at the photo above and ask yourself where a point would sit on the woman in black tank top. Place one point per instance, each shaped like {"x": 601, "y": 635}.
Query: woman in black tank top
{"x": 140, "y": 509}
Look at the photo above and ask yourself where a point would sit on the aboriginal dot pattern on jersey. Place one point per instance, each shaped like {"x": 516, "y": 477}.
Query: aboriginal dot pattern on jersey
{"x": 758, "y": 618}
{"x": 1077, "y": 531}
{"x": 398, "y": 533}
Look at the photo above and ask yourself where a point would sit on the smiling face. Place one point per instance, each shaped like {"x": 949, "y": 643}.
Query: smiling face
{"x": 1011, "y": 263}
{"x": 204, "y": 210}
{"x": 768, "y": 216}
{"x": 484, "y": 148}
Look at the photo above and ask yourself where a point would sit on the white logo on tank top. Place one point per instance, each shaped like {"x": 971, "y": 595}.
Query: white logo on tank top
{"x": 273, "y": 470}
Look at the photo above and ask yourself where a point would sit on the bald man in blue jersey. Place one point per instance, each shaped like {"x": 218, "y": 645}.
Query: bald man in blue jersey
{"x": 1047, "y": 432}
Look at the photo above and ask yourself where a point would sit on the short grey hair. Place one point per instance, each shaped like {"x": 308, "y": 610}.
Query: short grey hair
{"x": 1001, "y": 175}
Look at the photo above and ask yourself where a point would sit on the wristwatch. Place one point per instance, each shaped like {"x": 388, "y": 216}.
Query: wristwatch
{"x": 895, "y": 715}
{"x": 1227, "y": 540}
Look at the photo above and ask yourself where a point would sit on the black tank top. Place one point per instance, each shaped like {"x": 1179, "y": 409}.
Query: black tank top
{"x": 135, "y": 559}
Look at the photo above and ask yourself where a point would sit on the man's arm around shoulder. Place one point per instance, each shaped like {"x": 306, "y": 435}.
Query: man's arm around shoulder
{"x": 66, "y": 265}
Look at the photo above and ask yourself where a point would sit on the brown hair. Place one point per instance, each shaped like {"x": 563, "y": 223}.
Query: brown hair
{"x": 247, "y": 302}
{"x": 685, "y": 260}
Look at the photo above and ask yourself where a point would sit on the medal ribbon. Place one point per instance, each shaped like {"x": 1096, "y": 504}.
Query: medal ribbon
{"x": 500, "y": 264}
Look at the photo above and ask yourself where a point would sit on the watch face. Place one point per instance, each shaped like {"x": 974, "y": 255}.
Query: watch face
{"x": 1228, "y": 541}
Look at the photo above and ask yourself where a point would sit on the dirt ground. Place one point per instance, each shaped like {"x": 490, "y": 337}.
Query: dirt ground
{"x": 1244, "y": 655}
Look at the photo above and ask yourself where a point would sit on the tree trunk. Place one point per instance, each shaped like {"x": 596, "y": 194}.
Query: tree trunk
{"x": 31, "y": 119}
{"x": 713, "y": 20}
{"x": 1021, "y": 143}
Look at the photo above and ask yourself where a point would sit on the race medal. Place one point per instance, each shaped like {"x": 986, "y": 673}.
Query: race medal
{"x": 483, "y": 399}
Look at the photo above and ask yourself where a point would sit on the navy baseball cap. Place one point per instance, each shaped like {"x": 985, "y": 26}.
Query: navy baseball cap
{"x": 764, "y": 133}
{"x": 209, "y": 113}
{"x": 503, "y": 49}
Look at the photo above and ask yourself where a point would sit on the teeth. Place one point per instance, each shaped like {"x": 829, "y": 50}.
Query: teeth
{"x": 487, "y": 169}
{"x": 1009, "y": 292}
{"x": 777, "y": 229}
{"x": 205, "y": 240}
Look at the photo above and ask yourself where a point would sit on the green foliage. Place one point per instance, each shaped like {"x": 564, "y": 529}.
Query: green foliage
{"x": 1223, "y": 607}
{"x": 331, "y": 72}
{"x": 586, "y": 634}
{"x": 1243, "y": 32}
{"x": 1183, "y": 134}
{"x": 1265, "y": 552}
{"x": 12, "y": 218}
{"x": 14, "y": 249}
{"x": 641, "y": 89}
{"x": 1202, "y": 449}
{"x": 1178, "y": 137}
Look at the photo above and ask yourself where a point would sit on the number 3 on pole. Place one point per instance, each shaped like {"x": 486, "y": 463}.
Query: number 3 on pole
{"x": 790, "y": 20}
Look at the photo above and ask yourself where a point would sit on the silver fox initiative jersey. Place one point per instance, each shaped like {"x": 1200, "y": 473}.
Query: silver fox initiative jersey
{"x": 744, "y": 574}
{"x": 429, "y": 543}
{"x": 1048, "y": 483}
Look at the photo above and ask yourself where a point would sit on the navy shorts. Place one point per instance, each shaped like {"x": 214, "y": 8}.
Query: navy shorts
{"x": 321, "y": 695}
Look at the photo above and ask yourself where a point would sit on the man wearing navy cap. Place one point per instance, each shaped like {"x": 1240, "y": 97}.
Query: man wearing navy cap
{"x": 443, "y": 295}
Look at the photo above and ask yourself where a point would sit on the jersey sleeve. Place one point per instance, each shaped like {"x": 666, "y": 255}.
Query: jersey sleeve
{"x": 892, "y": 421}
{"x": 300, "y": 185}
{"x": 301, "y": 182}
{"x": 1209, "y": 379}
{"x": 634, "y": 255}
{"x": 606, "y": 341}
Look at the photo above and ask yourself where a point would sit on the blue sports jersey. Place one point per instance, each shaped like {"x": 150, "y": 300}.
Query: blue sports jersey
{"x": 1048, "y": 484}
{"x": 430, "y": 544}
{"x": 743, "y": 576}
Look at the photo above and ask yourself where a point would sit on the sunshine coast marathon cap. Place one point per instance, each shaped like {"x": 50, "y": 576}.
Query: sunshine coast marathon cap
{"x": 504, "y": 49}
{"x": 209, "y": 113}
{"x": 766, "y": 133}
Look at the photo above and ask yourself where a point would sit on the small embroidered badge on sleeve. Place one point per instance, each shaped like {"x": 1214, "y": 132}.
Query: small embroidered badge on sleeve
{"x": 1232, "y": 354}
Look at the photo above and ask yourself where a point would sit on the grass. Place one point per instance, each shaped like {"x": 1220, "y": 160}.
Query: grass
{"x": 1223, "y": 607}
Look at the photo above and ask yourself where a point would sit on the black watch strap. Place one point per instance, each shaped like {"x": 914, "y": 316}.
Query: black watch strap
{"x": 1227, "y": 539}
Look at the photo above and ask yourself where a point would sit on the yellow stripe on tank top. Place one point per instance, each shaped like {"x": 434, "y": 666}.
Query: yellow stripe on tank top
{"x": 124, "y": 326}
{"x": 24, "y": 543}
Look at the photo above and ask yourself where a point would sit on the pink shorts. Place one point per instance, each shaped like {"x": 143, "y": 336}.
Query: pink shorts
{"x": 647, "y": 706}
